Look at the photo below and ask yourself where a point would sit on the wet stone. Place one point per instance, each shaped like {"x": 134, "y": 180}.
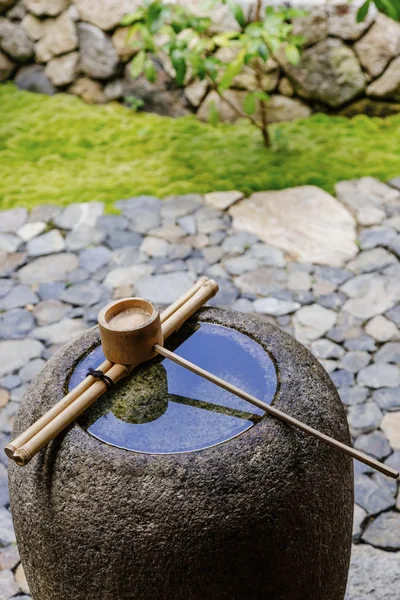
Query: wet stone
{"x": 48, "y": 243}
{"x": 240, "y": 264}
{"x": 387, "y": 398}
{"x": 355, "y": 361}
{"x": 4, "y": 496}
{"x": 44, "y": 213}
{"x": 188, "y": 224}
{"x": 51, "y": 290}
{"x": 213, "y": 254}
{"x": 93, "y": 259}
{"x": 7, "y": 535}
{"x": 275, "y": 307}
{"x": 390, "y": 425}
{"x": 329, "y": 365}
{"x": 375, "y": 444}
{"x": 342, "y": 378}
{"x": 334, "y": 275}
{"x": 59, "y": 332}
{"x": 371, "y": 497}
{"x": 384, "y": 531}
{"x": 179, "y": 251}
{"x": 5, "y": 287}
{"x": 9, "y": 242}
{"x": 180, "y": 206}
{"x": 381, "y": 329}
{"x": 85, "y": 294}
{"x": 394, "y": 246}
{"x": 143, "y": 212}
{"x": 388, "y": 353}
{"x": 9, "y": 382}
{"x": 16, "y": 324}
{"x": 364, "y": 417}
{"x": 326, "y": 349}
{"x": 370, "y": 215}
{"x": 262, "y": 281}
{"x": 299, "y": 281}
{"x": 154, "y": 246}
{"x": 8, "y": 585}
{"x": 18, "y": 393}
{"x": 267, "y": 255}
{"x": 353, "y": 395}
{"x": 110, "y": 223}
{"x": 376, "y": 236}
{"x": 394, "y": 314}
{"x": 333, "y": 301}
{"x": 371, "y": 260}
{"x": 31, "y": 369}
{"x": 380, "y": 375}
{"x": 10, "y": 262}
{"x": 364, "y": 342}
{"x": 359, "y": 517}
{"x": 84, "y": 236}
{"x": 163, "y": 288}
{"x": 48, "y": 269}
{"x": 19, "y": 296}
{"x": 385, "y": 482}
{"x": 11, "y": 220}
{"x": 238, "y": 242}
{"x": 123, "y": 239}
{"x": 9, "y": 557}
{"x": 78, "y": 214}
{"x": 374, "y": 574}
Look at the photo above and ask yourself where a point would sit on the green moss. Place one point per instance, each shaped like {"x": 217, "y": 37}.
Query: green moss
{"x": 58, "y": 149}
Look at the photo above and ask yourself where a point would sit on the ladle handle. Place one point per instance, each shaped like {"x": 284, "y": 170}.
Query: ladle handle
{"x": 343, "y": 448}
{"x": 25, "y": 453}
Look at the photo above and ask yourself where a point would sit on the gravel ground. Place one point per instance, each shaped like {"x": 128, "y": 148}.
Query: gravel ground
{"x": 59, "y": 266}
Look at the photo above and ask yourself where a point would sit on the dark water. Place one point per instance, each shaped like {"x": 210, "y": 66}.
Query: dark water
{"x": 163, "y": 408}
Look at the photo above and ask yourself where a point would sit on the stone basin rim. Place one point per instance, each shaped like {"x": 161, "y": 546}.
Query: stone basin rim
{"x": 190, "y": 321}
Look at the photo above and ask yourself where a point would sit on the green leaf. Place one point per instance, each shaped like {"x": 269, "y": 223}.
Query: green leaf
{"x": 138, "y": 15}
{"x": 249, "y": 104}
{"x": 238, "y": 13}
{"x": 388, "y": 7}
{"x": 133, "y": 102}
{"x": 363, "y": 11}
{"x": 213, "y": 114}
{"x": 263, "y": 51}
{"x": 231, "y": 71}
{"x": 150, "y": 70}
{"x": 292, "y": 54}
{"x": 179, "y": 64}
{"x": 261, "y": 95}
{"x": 223, "y": 39}
{"x": 137, "y": 64}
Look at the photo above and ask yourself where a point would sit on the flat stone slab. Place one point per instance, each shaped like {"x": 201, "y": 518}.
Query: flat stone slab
{"x": 306, "y": 222}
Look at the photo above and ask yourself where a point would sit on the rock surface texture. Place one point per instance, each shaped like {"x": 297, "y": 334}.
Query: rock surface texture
{"x": 349, "y": 319}
{"x": 346, "y": 67}
{"x": 132, "y": 507}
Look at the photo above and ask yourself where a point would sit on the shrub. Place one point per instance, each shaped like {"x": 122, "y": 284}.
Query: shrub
{"x": 162, "y": 29}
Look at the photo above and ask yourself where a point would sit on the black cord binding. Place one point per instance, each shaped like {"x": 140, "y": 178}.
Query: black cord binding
{"x": 101, "y": 376}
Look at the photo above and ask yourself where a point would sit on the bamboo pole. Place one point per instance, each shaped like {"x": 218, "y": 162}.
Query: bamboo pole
{"x": 343, "y": 448}
{"x": 31, "y": 447}
{"x": 88, "y": 381}
{"x": 55, "y": 410}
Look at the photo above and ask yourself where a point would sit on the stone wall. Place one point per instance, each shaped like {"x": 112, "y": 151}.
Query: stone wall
{"x": 78, "y": 46}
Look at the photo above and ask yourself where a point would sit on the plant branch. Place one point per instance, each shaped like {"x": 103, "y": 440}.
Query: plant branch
{"x": 236, "y": 109}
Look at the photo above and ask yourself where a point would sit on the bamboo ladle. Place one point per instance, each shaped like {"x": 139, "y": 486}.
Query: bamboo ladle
{"x": 23, "y": 448}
